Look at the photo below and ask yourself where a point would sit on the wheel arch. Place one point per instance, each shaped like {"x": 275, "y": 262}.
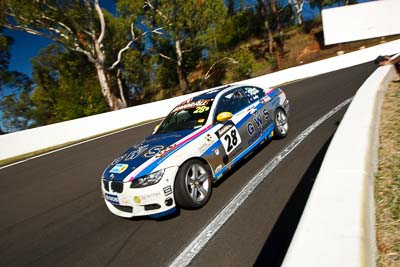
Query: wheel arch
{"x": 200, "y": 159}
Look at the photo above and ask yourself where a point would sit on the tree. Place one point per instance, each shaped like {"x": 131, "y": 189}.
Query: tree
{"x": 265, "y": 12}
{"x": 66, "y": 87}
{"x": 80, "y": 26}
{"x": 298, "y": 7}
{"x": 17, "y": 111}
{"x": 16, "y": 86}
{"x": 184, "y": 24}
{"x": 322, "y": 3}
{"x": 10, "y": 79}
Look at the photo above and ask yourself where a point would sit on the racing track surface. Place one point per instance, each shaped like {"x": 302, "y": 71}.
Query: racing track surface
{"x": 52, "y": 212}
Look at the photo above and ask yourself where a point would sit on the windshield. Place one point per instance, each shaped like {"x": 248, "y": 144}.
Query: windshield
{"x": 188, "y": 115}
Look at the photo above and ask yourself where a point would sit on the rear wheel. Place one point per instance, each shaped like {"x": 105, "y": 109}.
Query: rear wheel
{"x": 281, "y": 124}
{"x": 193, "y": 185}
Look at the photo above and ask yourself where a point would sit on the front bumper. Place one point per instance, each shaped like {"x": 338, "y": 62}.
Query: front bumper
{"x": 131, "y": 202}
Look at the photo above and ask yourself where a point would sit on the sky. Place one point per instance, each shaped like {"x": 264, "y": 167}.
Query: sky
{"x": 27, "y": 46}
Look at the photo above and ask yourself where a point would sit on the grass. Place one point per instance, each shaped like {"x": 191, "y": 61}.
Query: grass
{"x": 387, "y": 183}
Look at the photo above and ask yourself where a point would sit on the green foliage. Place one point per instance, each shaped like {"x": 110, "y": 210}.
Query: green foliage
{"x": 324, "y": 3}
{"x": 244, "y": 68}
{"x": 5, "y": 43}
{"x": 10, "y": 79}
{"x": 17, "y": 111}
{"x": 15, "y": 106}
{"x": 66, "y": 87}
{"x": 185, "y": 25}
{"x": 240, "y": 27}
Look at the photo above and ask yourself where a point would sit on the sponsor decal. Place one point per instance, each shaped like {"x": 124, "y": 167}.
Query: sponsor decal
{"x": 258, "y": 119}
{"x": 167, "y": 190}
{"x": 194, "y": 104}
{"x": 257, "y": 134}
{"x": 124, "y": 200}
{"x": 119, "y": 168}
{"x": 231, "y": 140}
{"x": 162, "y": 152}
{"x": 112, "y": 198}
{"x": 201, "y": 120}
{"x": 265, "y": 99}
{"x": 153, "y": 151}
{"x": 216, "y": 151}
{"x": 224, "y": 129}
{"x": 218, "y": 169}
{"x": 201, "y": 109}
{"x": 203, "y": 147}
{"x": 266, "y": 114}
{"x": 136, "y": 153}
{"x": 137, "y": 199}
{"x": 118, "y": 160}
{"x": 208, "y": 138}
{"x": 149, "y": 196}
{"x": 250, "y": 128}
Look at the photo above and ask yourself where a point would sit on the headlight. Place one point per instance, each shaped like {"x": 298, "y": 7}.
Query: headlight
{"x": 147, "y": 180}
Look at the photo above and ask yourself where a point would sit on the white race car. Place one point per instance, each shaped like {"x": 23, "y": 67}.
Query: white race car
{"x": 194, "y": 146}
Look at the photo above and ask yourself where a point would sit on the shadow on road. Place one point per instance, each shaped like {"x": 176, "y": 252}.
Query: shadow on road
{"x": 277, "y": 244}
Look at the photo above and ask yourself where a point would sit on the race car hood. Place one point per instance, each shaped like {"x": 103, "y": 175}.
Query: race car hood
{"x": 158, "y": 145}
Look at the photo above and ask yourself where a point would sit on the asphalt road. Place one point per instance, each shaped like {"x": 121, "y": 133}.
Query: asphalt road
{"x": 52, "y": 212}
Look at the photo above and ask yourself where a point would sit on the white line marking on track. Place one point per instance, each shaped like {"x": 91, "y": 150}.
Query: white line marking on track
{"x": 188, "y": 254}
{"x": 76, "y": 144}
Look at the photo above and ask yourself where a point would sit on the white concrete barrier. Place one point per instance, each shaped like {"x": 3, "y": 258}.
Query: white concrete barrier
{"x": 361, "y": 21}
{"x": 337, "y": 227}
{"x": 27, "y": 141}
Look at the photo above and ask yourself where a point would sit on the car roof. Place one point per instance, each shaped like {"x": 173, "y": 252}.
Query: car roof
{"x": 214, "y": 92}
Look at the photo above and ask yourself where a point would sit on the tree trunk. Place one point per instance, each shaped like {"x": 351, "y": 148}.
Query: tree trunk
{"x": 298, "y": 6}
{"x": 263, "y": 10}
{"x": 275, "y": 11}
{"x": 183, "y": 83}
{"x": 121, "y": 88}
{"x": 112, "y": 101}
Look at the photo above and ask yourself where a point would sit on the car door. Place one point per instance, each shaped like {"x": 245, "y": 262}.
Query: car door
{"x": 261, "y": 123}
{"x": 233, "y": 133}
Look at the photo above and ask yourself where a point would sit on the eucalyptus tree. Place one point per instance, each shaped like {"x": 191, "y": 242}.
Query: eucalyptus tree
{"x": 184, "y": 23}
{"x": 323, "y": 3}
{"x": 10, "y": 79}
{"x": 298, "y": 7}
{"x": 15, "y": 87}
{"x": 81, "y": 26}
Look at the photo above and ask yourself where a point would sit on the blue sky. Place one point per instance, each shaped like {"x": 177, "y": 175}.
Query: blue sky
{"x": 26, "y": 46}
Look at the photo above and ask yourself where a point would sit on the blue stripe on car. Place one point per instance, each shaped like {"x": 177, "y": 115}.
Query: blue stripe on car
{"x": 245, "y": 152}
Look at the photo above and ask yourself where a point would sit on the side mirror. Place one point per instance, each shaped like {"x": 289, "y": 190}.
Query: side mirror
{"x": 224, "y": 116}
{"x": 156, "y": 128}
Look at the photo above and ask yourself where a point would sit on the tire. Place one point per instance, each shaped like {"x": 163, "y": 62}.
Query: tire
{"x": 281, "y": 124}
{"x": 193, "y": 185}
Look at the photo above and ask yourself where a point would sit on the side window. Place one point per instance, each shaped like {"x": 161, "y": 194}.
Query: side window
{"x": 254, "y": 93}
{"x": 232, "y": 102}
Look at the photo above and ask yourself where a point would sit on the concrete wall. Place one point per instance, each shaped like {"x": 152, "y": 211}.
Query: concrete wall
{"x": 337, "y": 227}
{"x": 361, "y": 21}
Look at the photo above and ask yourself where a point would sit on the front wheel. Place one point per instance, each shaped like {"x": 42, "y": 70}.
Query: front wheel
{"x": 193, "y": 185}
{"x": 281, "y": 124}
